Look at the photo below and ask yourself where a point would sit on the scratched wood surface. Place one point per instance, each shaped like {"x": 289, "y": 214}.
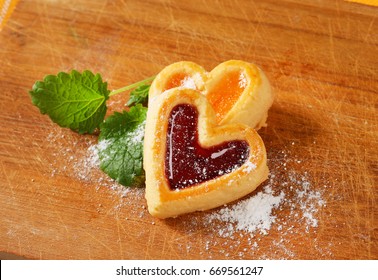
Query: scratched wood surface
{"x": 322, "y": 60}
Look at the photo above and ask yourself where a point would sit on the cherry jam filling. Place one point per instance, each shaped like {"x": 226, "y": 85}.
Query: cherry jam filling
{"x": 187, "y": 163}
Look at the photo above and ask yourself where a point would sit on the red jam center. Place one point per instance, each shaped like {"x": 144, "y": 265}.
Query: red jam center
{"x": 187, "y": 163}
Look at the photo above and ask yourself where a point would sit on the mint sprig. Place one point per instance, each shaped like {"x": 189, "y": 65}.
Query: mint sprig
{"x": 139, "y": 96}
{"x": 78, "y": 101}
{"x": 121, "y": 142}
{"x": 74, "y": 100}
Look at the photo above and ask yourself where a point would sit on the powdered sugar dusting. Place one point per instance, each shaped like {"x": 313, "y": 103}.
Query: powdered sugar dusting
{"x": 136, "y": 136}
{"x": 283, "y": 209}
{"x": 309, "y": 201}
{"x": 78, "y": 157}
{"x": 188, "y": 82}
{"x": 262, "y": 225}
{"x": 255, "y": 214}
{"x": 242, "y": 81}
{"x": 192, "y": 81}
{"x": 250, "y": 215}
{"x": 249, "y": 166}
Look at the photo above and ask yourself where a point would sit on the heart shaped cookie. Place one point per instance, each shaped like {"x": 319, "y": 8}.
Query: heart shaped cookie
{"x": 192, "y": 163}
{"x": 238, "y": 91}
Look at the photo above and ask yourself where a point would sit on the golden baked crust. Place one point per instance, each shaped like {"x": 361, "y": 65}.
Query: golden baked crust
{"x": 164, "y": 202}
{"x": 238, "y": 91}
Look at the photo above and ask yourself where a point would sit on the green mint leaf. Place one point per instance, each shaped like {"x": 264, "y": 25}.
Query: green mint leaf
{"x": 121, "y": 146}
{"x": 74, "y": 100}
{"x": 139, "y": 95}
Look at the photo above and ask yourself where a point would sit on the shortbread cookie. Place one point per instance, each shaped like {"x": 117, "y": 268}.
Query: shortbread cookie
{"x": 192, "y": 162}
{"x": 238, "y": 91}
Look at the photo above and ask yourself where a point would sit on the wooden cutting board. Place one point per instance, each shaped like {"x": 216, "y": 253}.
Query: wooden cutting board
{"x": 321, "y": 58}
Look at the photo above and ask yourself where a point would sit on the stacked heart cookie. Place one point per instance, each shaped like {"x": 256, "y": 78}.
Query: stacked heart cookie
{"x": 201, "y": 149}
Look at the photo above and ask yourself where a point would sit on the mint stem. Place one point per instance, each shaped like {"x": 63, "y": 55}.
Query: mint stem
{"x": 132, "y": 86}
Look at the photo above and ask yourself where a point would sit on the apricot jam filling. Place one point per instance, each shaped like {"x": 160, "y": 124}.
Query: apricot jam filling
{"x": 226, "y": 92}
{"x": 187, "y": 163}
{"x": 178, "y": 80}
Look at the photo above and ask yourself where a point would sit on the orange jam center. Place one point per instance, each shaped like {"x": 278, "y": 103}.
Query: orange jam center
{"x": 226, "y": 92}
{"x": 176, "y": 80}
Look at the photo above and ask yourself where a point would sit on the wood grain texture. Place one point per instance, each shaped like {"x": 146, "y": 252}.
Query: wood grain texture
{"x": 322, "y": 60}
